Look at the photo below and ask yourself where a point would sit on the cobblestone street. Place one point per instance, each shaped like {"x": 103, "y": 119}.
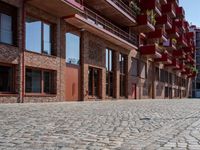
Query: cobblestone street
{"x": 123, "y": 125}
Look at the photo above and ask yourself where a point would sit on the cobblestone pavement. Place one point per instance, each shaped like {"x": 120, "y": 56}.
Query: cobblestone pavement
{"x": 120, "y": 125}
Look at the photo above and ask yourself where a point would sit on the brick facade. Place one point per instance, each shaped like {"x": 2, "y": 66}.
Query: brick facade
{"x": 92, "y": 54}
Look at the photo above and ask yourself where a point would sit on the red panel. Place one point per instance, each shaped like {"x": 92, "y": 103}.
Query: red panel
{"x": 72, "y": 80}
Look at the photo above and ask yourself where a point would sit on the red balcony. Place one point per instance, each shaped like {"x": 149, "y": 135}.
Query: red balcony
{"x": 144, "y": 24}
{"x": 189, "y": 35}
{"x": 92, "y": 22}
{"x": 182, "y": 41}
{"x": 180, "y": 13}
{"x": 173, "y": 65}
{"x": 163, "y": 2}
{"x": 181, "y": 67}
{"x": 175, "y": 2}
{"x": 186, "y": 26}
{"x": 180, "y": 24}
{"x": 178, "y": 54}
{"x": 173, "y": 33}
{"x": 115, "y": 10}
{"x": 170, "y": 44}
{"x": 169, "y": 9}
{"x": 158, "y": 34}
{"x": 60, "y": 8}
{"x": 164, "y": 20}
{"x": 165, "y": 59}
{"x": 151, "y": 5}
{"x": 192, "y": 75}
{"x": 187, "y": 71}
{"x": 152, "y": 51}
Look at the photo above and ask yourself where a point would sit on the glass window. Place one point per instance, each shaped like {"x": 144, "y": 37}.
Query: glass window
{"x": 48, "y": 82}
{"x": 134, "y": 67}
{"x": 6, "y": 79}
{"x": 72, "y": 49}
{"x": 122, "y": 75}
{"x": 38, "y": 36}
{"x": 143, "y": 69}
{"x": 33, "y": 81}
{"x": 6, "y": 29}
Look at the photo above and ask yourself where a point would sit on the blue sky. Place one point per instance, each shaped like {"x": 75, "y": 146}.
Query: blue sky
{"x": 192, "y": 11}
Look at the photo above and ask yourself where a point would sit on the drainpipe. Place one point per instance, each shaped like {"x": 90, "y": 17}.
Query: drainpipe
{"x": 23, "y": 49}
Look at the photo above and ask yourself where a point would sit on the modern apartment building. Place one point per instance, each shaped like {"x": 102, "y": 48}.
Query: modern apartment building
{"x": 196, "y": 81}
{"x": 70, "y": 50}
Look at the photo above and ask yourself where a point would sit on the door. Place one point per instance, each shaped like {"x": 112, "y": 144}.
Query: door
{"x": 94, "y": 82}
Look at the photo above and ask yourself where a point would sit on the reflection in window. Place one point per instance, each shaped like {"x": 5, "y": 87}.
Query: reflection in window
{"x": 38, "y": 36}
{"x": 6, "y": 79}
{"x": 6, "y": 29}
{"x": 72, "y": 49}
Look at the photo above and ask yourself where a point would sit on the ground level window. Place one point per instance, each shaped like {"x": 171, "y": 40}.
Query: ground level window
{"x": 93, "y": 82}
{"x": 40, "y": 81}
{"x": 6, "y": 79}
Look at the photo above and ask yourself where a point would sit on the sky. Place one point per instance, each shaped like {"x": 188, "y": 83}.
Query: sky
{"x": 192, "y": 11}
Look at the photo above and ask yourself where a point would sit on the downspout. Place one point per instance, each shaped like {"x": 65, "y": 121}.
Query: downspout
{"x": 23, "y": 49}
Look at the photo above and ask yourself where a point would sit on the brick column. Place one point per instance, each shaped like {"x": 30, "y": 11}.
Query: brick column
{"x": 116, "y": 75}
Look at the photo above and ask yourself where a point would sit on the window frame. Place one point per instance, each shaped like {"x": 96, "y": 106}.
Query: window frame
{"x": 42, "y": 93}
{"x": 13, "y": 86}
{"x": 52, "y": 37}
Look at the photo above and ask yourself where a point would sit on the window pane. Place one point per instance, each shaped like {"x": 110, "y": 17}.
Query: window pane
{"x": 110, "y": 60}
{"x": 6, "y": 80}
{"x": 33, "y": 81}
{"x": 134, "y": 67}
{"x": 72, "y": 49}
{"x": 6, "y": 29}
{"x": 107, "y": 63}
{"x": 48, "y": 82}
{"x": 47, "y": 39}
{"x": 33, "y": 35}
{"x": 90, "y": 81}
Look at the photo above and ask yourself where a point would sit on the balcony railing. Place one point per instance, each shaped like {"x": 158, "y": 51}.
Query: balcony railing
{"x": 76, "y": 3}
{"x": 96, "y": 19}
{"x": 125, "y": 8}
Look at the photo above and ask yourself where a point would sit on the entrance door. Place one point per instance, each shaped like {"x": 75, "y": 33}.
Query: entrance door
{"x": 94, "y": 82}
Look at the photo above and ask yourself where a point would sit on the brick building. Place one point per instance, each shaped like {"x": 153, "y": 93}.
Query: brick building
{"x": 69, "y": 50}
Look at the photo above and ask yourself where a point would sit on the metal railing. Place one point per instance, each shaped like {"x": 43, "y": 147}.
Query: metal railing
{"x": 125, "y": 8}
{"x": 96, "y": 19}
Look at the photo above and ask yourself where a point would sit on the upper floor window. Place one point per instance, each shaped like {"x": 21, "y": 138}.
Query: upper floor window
{"x": 38, "y": 36}
{"x": 72, "y": 49}
{"x": 8, "y": 24}
{"x": 143, "y": 69}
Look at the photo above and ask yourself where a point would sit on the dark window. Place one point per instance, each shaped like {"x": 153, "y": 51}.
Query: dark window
{"x": 39, "y": 81}
{"x": 166, "y": 92}
{"x": 134, "y": 67}
{"x": 122, "y": 65}
{"x": 109, "y": 72}
{"x": 157, "y": 74}
{"x": 6, "y": 79}
{"x": 8, "y": 24}
{"x": 38, "y": 36}
{"x": 197, "y": 85}
{"x": 72, "y": 49}
{"x": 162, "y": 75}
{"x": 93, "y": 82}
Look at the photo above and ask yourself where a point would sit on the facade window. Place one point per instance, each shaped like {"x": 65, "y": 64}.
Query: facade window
{"x": 143, "y": 69}
{"x": 93, "y": 82}
{"x": 157, "y": 74}
{"x": 134, "y": 67}
{"x": 162, "y": 75}
{"x": 6, "y": 79}
{"x": 166, "y": 76}
{"x": 122, "y": 65}
{"x": 38, "y": 36}
{"x": 40, "y": 81}
{"x": 197, "y": 85}
{"x": 109, "y": 72}
{"x": 8, "y": 24}
{"x": 166, "y": 92}
{"x": 72, "y": 49}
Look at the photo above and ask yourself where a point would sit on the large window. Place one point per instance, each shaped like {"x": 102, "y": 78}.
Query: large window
{"x": 72, "y": 49}
{"x": 122, "y": 64}
{"x": 134, "y": 67}
{"x": 6, "y": 79}
{"x": 143, "y": 69}
{"x": 8, "y": 24}
{"x": 93, "y": 82}
{"x": 109, "y": 72}
{"x": 38, "y": 36}
{"x": 40, "y": 81}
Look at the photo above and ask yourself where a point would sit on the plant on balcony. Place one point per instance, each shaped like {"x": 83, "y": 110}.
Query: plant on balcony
{"x": 152, "y": 17}
{"x": 134, "y": 6}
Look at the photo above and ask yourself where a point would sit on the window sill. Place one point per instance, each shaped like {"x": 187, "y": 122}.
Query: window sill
{"x": 8, "y": 94}
{"x": 39, "y": 95}
{"x": 42, "y": 54}
{"x": 10, "y": 45}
